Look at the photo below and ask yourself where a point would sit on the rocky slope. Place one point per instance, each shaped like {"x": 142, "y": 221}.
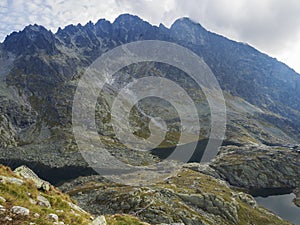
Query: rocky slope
{"x": 39, "y": 75}
{"x": 26, "y": 199}
{"x": 188, "y": 198}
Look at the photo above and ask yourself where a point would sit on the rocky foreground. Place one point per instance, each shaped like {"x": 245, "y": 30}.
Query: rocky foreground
{"x": 190, "y": 197}
{"x": 26, "y": 199}
{"x": 212, "y": 193}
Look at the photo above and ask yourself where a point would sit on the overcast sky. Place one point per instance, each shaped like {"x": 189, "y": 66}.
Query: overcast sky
{"x": 272, "y": 26}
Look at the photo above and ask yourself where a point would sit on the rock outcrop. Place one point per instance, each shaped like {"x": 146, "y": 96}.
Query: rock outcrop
{"x": 27, "y": 173}
{"x": 259, "y": 167}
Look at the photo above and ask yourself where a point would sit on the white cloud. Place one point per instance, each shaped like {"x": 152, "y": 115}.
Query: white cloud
{"x": 272, "y": 26}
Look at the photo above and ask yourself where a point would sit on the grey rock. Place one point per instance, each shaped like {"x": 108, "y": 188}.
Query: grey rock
{"x": 7, "y": 218}
{"x": 11, "y": 180}
{"x": 32, "y": 201}
{"x": 213, "y": 204}
{"x": 297, "y": 199}
{"x": 2, "y": 199}
{"x": 46, "y": 86}
{"x": 2, "y": 209}
{"x": 53, "y": 217}
{"x": 42, "y": 201}
{"x": 8, "y": 133}
{"x": 100, "y": 220}
{"x": 246, "y": 198}
{"x": 36, "y": 215}
{"x": 19, "y": 210}
{"x": 27, "y": 173}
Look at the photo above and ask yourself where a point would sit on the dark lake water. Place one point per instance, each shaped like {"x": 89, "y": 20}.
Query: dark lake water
{"x": 282, "y": 205}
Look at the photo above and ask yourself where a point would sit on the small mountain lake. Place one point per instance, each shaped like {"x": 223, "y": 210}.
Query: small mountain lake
{"x": 282, "y": 205}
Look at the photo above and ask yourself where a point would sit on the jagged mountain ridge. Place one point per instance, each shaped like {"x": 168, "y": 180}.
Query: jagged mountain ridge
{"x": 42, "y": 69}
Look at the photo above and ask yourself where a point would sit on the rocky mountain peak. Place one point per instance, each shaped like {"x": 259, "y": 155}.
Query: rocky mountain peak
{"x": 128, "y": 19}
{"x": 103, "y": 28}
{"x": 188, "y": 30}
{"x": 31, "y": 40}
{"x": 35, "y": 28}
{"x": 186, "y": 23}
{"x": 71, "y": 29}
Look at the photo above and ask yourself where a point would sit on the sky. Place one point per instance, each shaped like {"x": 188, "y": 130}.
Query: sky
{"x": 272, "y": 26}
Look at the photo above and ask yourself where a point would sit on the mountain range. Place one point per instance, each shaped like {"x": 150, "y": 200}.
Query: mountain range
{"x": 40, "y": 71}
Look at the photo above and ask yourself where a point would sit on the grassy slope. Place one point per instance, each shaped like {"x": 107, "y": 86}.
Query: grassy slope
{"x": 16, "y": 195}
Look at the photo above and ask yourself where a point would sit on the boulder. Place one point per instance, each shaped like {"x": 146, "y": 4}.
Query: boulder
{"x": 2, "y": 209}
{"x": 11, "y": 180}
{"x": 36, "y": 215}
{"x": 32, "y": 201}
{"x": 7, "y": 218}
{"x": 42, "y": 201}
{"x": 27, "y": 173}
{"x": 2, "y": 199}
{"x": 246, "y": 198}
{"x": 19, "y": 210}
{"x": 100, "y": 220}
{"x": 53, "y": 217}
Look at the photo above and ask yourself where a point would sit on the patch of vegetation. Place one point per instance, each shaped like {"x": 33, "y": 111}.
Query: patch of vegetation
{"x": 22, "y": 195}
{"x": 248, "y": 215}
{"x": 123, "y": 220}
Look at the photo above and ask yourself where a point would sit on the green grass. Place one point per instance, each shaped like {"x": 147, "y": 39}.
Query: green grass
{"x": 20, "y": 196}
{"x": 123, "y": 220}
